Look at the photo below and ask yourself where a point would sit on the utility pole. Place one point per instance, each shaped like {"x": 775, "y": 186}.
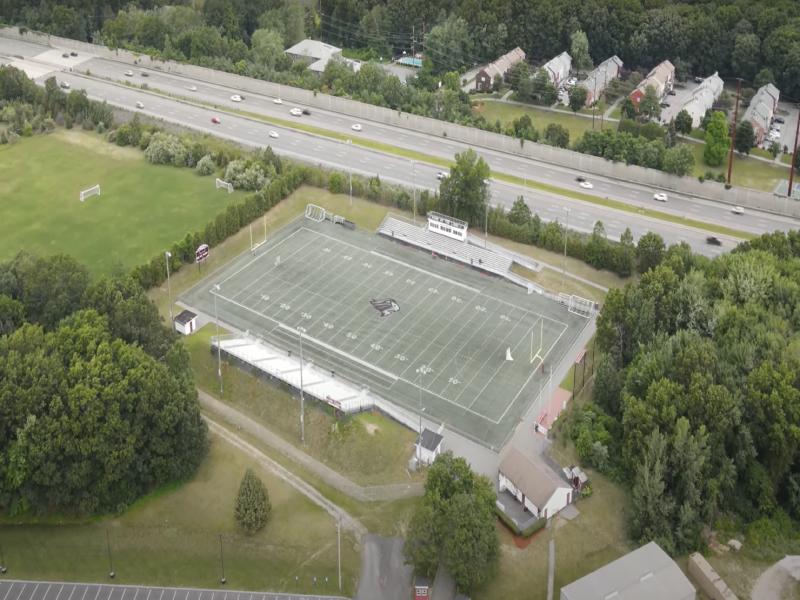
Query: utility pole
{"x": 566, "y": 233}
{"x": 300, "y": 330}
{"x": 733, "y": 135}
{"x": 339, "y": 549}
{"x": 219, "y": 342}
{"x": 111, "y": 573}
{"x": 3, "y": 568}
{"x": 222, "y": 579}
{"x": 414, "y": 185}
{"x": 167, "y": 256}
{"x": 794, "y": 157}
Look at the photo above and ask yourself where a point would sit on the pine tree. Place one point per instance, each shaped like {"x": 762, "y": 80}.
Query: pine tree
{"x": 252, "y": 504}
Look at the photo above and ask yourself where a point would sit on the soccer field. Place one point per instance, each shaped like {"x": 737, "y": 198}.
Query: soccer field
{"x": 421, "y": 332}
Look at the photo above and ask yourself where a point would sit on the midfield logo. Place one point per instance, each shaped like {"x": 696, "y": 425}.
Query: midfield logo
{"x": 385, "y": 307}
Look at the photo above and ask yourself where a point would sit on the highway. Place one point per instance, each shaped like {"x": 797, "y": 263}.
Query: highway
{"x": 337, "y": 154}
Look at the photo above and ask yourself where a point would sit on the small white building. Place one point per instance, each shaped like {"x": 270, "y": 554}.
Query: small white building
{"x": 317, "y": 54}
{"x": 541, "y": 492}
{"x": 558, "y": 69}
{"x": 428, "y": 447}
{"x": 186, "y": 322}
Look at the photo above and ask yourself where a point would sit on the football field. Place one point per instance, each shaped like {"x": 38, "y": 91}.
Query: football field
{"x": 420, "y": 331}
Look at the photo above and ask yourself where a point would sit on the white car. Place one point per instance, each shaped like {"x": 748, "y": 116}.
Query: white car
{"x": 441, "y": 175}
{"x": 277, "y": 101}
{"x": 192, "y": 88}
{"x": 129, "y": 73}
{"x": 660, "y": 196}
{"x": 737, "y": 210}
{"x": 587, "y": 185}
{"x": 64, "y": 85}
{"x": 274, "y": 135}
{"x": 572, "y": 81}
{"x": 356, "y": 127}
{"x": 236, "y": 98}
{"x": 296, "y": 112}
{"x": 139, "y": 104}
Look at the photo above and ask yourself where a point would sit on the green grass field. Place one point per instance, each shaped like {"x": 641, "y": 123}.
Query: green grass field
{"x": 747, "y": 172}
{"x": 506, "y": 113}
{"x": 172, "y": 538}
{"x": 142, "y": 208}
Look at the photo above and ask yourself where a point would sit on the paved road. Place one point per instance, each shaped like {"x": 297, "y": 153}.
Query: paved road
{"x": 46, "y": 590}
{"x": 384, "y": 573}
{"x": 779, "y": 580}
{"x": 340, "y": 155}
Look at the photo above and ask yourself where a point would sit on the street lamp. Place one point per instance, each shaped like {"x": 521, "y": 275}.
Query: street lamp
{"x": 486, "y": 182}
{"x": 422, "y": 370}
{"x": 414, "y": 188}
{"x": 167, "y": 256}
{"x": 350, "y": 172}
{"x": 301, "y": 331}
{"x": 3, "y": 568}
{"x": 566, "y": 233}
{"x": 219, "y": 345}
{"x": 222, "y": 579}
{"x": 111, "y": 572}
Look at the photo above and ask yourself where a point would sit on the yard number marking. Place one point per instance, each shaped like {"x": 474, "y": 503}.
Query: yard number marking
{"x": 453, "y": 381}
{"x": 480, "y": 308}
{"x": 327, "y": 325}
{"x": 305, "y": 315}
{"x": 326, "y": 249}
{"x": 505, "y": 318}
{"x": 264, "y": 297}
{"x": 347, "y": 257}
{"x": 285, "y": 306}
{"x": 433, "y": 290}
{"x": 351, "y": 336}
{"x": 456, "y": 299}
{"x": 388, "y": 273}
{"x": 410, "y": 281}
{"x": 401, "y": 357}
{"x": 366, "y": 265}
{"x": 376, "y": 347}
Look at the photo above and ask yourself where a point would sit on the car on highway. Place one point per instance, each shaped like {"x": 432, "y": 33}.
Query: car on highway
{"x": 215, "y": 120}
{"x": 713, "y": 240}
{"x": 356, "y": 127}
{"x": 441, "y": 175}
{"x": 664, "y": 105}
{"x": 296, "y": 112}
{"x": 192, "y": 88}
{"x": 236, "y": 98}
{"x": 580, "y": 178}
{"x": 65, "y": 55}
{"x": 660, "y": 197}
{"x": 587, "y": 185}
{"x": 64, "y": 84}
{"x": 277, "y": 101}
{"x": 671, "y": 93}
{"x": 128, "y": 73}
{"x": 145, "y": 74}
{"x": 306, "y": 111}
{"x": 779, "y": 120}
{"x": 274, "y": 135}
{"x": 738, "y": 210}
{"x": 139, "y": 104}
{"x": 73, "y": 53}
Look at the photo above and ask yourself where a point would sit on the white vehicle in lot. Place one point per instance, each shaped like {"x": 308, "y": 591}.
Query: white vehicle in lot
{"x": 660, "y": 196}
{"x": 356, "y": 127}
{"x": 296, "y": 112}
{"x": 274, "y": 135}
{"x": 441, "y": 175}
{"x": 64, "y": 85}
{"x": 139, "y": 104}
{"x": 277, "y": 101}
{"x": 737, "y": 210}
{"x": 128, "y": 73}
{"x": 192, "y": 88}
{"x": 236, "y": 98}
{"x": 587, "y": 185}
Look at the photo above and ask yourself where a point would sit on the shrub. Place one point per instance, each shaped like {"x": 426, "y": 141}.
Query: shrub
{"x": 165, "y": 149}
{"x": 245, "y": 175}
{"x": 206, "y": 165}
{"x": 252, "y": 504}
{"x": 337, "y": 183}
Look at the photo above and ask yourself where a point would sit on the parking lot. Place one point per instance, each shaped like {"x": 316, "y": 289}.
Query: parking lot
{"x": 676, "y": 102}
{"x": 789, "y": 113}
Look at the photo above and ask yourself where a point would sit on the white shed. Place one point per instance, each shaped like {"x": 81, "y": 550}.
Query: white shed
{"x": 429, "y": 447}
{"x": 541, "y": 492}
{"x": 186, "y": 322}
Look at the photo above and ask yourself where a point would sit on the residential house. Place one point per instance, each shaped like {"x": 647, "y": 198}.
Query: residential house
{"x": 317, "y": 54}
{"x": 644, "y": 573}
{"x": 540, "y": 492}
{"x": 761, "y": 109}
{"x": 186, "y": 322}
{"x": 600, "y": 77}
{"x": 428, "y": 446}
{"x": 486, "y": 76}
{"x": 703, "y": 98}
{"x": 660, "y": 79}
{"x": 558, "y": 69}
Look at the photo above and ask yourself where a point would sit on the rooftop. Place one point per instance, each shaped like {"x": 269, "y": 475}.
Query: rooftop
{"x": 532, "y": 479}
{"x": 505, "y": 62}
{"x": 184, "y": 317}
{"x": 313, "y": 49}
{"x": 430, "y": 439}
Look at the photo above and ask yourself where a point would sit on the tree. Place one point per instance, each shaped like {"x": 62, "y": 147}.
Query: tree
{"x": 295, "y": 23}
{"x": 579, "y": 50}
{"x": 267, "y": 47}
{"x": 465, "y": 192}
{"x": 745, "y": 137}
{"x": 652, "y": 506}
{"x": 746, "y": 55}
{"x": 577, "y": 98}
{"x": 449, "y": 45}
{"x": 556, "y": 135}
{"x": 774, "y": 149}
{"x": 627, "y": 108}
{"x": 51, "y": 288}
{"x": 12, "y": 314}
{"x": 626, "y": 254}
{"x": 542, "y": 89}
{"x": 683, "y": 122}
{"x": 678, "y": 160}
{"x": 520, "y": 213}
{"x": 717, "y": 140}
{"x": 763, "y": 77}
{"x": 649, "y": 251}
{"x": 252, "y": 506}
{"x": 650, "y": 104}
{"x": 597, "y": 247}
{"x": 455, "y": 524}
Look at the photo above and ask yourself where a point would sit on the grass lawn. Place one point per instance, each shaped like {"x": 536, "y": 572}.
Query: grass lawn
{"x": 747, "y": 172}
{"x": 142, "y": 210}
{"x": 786, "y": 159}
{"x": 172, "y": 538}
{"x": 368, "y": 448}
{"x": 506, "y": 112}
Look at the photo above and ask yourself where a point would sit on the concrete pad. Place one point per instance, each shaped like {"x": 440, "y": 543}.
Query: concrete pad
{"x": 54, "y": 57}
{"x": 569, "y": 512}
{"x": 32, "y": 69}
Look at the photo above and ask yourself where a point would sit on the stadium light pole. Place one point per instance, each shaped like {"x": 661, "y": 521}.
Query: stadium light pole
{"x": 350, "y": 172}
{"x": 566, "y": 233}
{"x": 222, "y": 578}
{"x": 219, "y": 346}
{"x": 301, "y": 331}
{"x": 111, "y": 573}
{"x": 167, "y": 256}
{"x": 486, "y": 214}
{"x": 3, "y": 568}
{"x": 414, "y": 188}
{"x": 339, "y": 549}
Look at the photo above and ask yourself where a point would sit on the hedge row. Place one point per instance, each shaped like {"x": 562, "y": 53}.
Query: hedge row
{"x": 524, "y": 533}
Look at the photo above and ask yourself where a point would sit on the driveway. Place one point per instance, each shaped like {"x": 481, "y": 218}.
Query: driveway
{"x": 779, "y": 581}
{"x": 384, "y": 574}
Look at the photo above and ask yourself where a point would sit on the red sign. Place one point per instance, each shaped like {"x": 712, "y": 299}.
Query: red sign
{"x": 201, "y": 253}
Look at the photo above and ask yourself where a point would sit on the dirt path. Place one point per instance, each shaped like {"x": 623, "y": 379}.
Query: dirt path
{"x": 324, "y": 472}
{"x": 776, "y": 583}
{"x": 310, "y": 492}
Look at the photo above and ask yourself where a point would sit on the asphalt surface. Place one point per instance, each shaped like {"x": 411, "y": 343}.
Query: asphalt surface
{"x": 384, "y": 574}
{"x": 336, "y": 154}
{"x": 46, "y": 590}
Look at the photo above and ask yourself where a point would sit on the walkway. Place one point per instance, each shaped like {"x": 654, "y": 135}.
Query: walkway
{"x": 324, "y": 472}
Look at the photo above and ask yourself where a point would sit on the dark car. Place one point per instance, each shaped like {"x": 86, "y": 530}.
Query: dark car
{"x": 671, "y": 92}
{"x": 779, "y": 120}
{"x": 713, "y": 240}
{"x": 664, "y": 105}
{"x": 73, "y": 53}
{"x": 580, "y": 178}
{"x": 145, "y": 74}
{"x": 306, "y": 111}
{"x": 65, "y": 55}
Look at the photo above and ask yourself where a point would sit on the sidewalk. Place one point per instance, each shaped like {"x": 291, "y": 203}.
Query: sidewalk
{"x": 324, "y": 472}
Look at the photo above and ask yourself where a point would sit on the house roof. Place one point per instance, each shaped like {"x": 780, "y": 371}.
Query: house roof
{"x": 644, "y": 573}
{"x": 184, "y": 317}
{"x": 559, "y": 66}
{"x": 762, "y": 105}
{"x": 313, "y": 49}
{"x": 604, "y": 72}
{"x": 531, "y": 479}
{"x": 505, "y": 62}
{"x": 420, "y": 581}
{"x": 430, "y": 439}
{"x": 658, "y": 76}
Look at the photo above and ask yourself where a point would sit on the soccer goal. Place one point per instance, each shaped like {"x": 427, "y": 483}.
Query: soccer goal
{"x": 92, "y": 191}
{"x": 315, "y": 213}
{"x": 537, "y": 343}
{"x": 224, "y": 185}
{"x": 581, "y": 306}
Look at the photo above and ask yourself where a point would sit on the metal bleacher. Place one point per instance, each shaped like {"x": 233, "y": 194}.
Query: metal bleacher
{"x": 464, "y": 252}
